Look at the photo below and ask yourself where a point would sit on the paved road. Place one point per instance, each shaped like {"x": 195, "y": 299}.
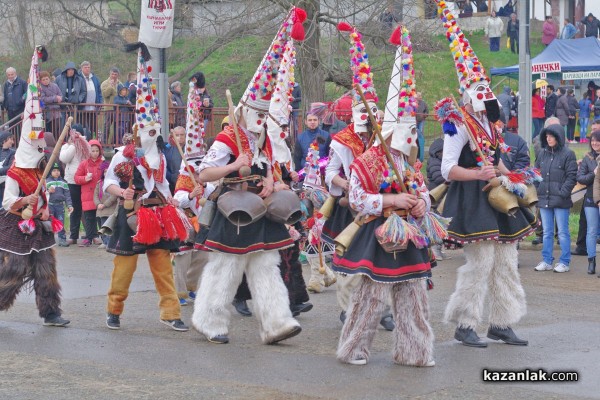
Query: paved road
{"x": 146, "y": 360}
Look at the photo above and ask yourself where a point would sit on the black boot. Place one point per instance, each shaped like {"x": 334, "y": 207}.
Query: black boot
{"x": 506, "y": 335}
{"x": 592, "y": 265}
{"x": 468, "y": 337}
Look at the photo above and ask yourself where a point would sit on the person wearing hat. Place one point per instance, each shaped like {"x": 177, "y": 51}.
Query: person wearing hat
{"x": 152, "y": 224}
{"x": 252, "y": 248}
{"x": 72, "y": 85}
{"x": 346, "y": 146}
{"x": 26, "y": 245}
{"x": 384, "y": 274}
{"x": 471, "y": 157}
{"x": 198, "y": 87}
{"x": 7, "y": 157}
{"x": 58, "y": 198}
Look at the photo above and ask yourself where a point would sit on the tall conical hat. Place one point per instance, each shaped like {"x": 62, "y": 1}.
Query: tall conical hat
{"x": 31, "y": 144}
{"x": 279, "y": 108}
{"x": 401, "y": 105}
{"x": 474, "y": 84}
{"x": 361, "y": 75}
{"x": 194, "y": 129}
{"x": 256, "y": 99}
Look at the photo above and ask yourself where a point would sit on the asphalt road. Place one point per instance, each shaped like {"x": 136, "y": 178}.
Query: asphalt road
{"x": 147, "y": 360}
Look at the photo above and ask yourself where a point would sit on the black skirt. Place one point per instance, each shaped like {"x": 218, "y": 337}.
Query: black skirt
{"x": 225, "y": 237}
{"x": 14, "y": 241}
{"x": 474, "y": 219}
{"x": 366, "y": 256}
{"x": 340, "y": 218}
{"x": 121, "y": 242}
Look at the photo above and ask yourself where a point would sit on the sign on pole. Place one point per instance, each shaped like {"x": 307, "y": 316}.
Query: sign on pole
{"x": 156, "y": 24}
{"x": 570, "y": 76}
{"x": 548, "y": 67}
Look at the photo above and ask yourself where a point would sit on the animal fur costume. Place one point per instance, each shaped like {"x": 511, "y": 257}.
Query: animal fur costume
{"x": 402, "y": 275}
{"x": 154, "y": 238}
{"x": 252, "y": 249}
{"x": 489, "y": 237}
{"x": 26, "y": 247}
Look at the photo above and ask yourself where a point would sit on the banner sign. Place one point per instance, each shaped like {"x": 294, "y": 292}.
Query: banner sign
{"x": 156, "y": 24}
{"x": 545, "y": 67}
{"x": 568, "y": 76}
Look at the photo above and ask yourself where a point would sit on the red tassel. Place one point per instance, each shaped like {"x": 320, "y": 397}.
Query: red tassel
{"x": 172, "y": 224}
{"x": 129, "y": 150}
{"x": 57, "y": 226}
{"x": 345, "y": 27}
{"x": 27, "y": 226}
{"x": 297, "y": 31}
{"x": 148, "y": 227}
{"x": 299, "y": 14}
{"x": 396, "y": 38}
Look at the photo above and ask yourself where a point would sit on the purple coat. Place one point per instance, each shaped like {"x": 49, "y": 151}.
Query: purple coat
{"x": 48, "y": 97}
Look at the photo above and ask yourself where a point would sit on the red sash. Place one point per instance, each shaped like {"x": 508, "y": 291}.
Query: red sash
{"x": 159, "y": 173}
{"x": 369, "y": 168}
{"x": 28, "y": 179}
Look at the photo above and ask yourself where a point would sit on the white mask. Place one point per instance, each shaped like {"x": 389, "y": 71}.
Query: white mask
{"x": 151, "y": 153}
{"x": 360, "y": 116}
{"x": 481, "y": 97}
{"x": 405, "y": 135}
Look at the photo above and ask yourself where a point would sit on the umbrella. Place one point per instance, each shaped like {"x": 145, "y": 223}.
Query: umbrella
{"x": 539, "y": 83}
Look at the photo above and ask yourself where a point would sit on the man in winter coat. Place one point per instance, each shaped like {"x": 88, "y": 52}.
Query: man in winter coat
{"x": 13, "y": 90}
{"x": 72, "y": 85}
{"x": 592, "y": 25}
{"x": 562, "y": 108}
{"x": 551, "y": 99}
{"x": 518, "y": 156}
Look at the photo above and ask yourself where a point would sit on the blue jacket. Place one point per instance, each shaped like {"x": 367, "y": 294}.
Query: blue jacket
{"x": 518, "y": 156}
{"x": 61, "y": 191}
{"x": 15, "y": 101}
{"x": 584, "y": 108}
{"x": 303, "y": 143}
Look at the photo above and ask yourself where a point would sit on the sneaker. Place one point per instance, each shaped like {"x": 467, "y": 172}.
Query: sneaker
{"x": 102, "y": 246}
{"x": 85, "y": 243}
{"x": 56, "y": 320}
{"x": 113, "y": 321}
{"x": 176, "y": 324}
{"x": 192, "y": 295}
{"x": 97, "y": 241}
{"x": 543, "y": 266}
{"x": 183, "y": 302}
{"x": 560, "y": 267}
{"x": 63, "y": 243}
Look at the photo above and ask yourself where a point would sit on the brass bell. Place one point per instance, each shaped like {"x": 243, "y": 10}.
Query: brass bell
{"x": 344, "y": 239}
{"x": 530, "y": 199}
{"x": 503, "y": 201}
{"x": 108, "y": 226}
{"x": 327, "y": 208}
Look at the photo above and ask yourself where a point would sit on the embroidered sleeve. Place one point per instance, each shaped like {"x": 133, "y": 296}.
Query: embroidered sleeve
{"x": 217, "y": 156}
{"x": 363, "y": 202}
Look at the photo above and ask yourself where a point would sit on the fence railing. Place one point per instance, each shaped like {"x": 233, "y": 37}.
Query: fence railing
{"x": 109, "y": 122}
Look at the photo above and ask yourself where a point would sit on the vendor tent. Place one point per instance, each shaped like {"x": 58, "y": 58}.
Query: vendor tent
{"x": 574, "y": 55}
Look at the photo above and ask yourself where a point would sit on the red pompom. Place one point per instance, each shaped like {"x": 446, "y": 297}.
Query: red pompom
{"x": 297, "y": 31}
{"x": 173, "y": 226}
{"x": 148, "y": 227}
{"x": 299, "y": 14}
{"x": 57, "y": 226}
{"x": 129, "y": 150}
{"x": 345, "y": 27}
{"x": 396, "y": 38}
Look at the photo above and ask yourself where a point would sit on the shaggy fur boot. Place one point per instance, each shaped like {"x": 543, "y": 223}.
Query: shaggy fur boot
{"x": 317, "y": 280}
{"x": 507, "y": 297}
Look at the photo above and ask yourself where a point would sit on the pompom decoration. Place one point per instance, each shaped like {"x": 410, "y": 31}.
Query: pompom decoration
{"x": 396, "y": 36}
{"x": 468, "y": 68}
{"x": 27, "y": 226}
{"x": 448, "y": 115}
{"x": 57, "y": 226}
{"x": 173, "y": 226}
{"x": 359, "y": 64}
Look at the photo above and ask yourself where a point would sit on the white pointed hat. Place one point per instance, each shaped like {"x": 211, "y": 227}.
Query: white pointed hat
{"x": 31, "y": 144}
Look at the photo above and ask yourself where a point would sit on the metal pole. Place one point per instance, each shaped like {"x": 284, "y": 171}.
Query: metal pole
{"x": 524, "y": 73}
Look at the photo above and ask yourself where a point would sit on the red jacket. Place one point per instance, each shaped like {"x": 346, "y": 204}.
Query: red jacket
{"x": 537, "y": 107}
{"x": 87, "y": 188}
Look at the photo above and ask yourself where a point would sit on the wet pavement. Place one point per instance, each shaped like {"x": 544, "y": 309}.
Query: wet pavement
{"x": 147, "y": 360}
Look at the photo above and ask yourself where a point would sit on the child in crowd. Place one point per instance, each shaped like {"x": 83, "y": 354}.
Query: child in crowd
{"x": 122, "y": 99}
{"x": 58, "y": 196}
{"x": 106, "y": 203}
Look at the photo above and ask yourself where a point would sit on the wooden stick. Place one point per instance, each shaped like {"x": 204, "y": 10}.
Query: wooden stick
{"x": 380, "y": 137}
{"x": 129, "y": 204}
{"x": 187, "y": 166}
{"x": 28, "y": 212}
{"x": 484, "y": 159}
{"x": 244, "y": 171}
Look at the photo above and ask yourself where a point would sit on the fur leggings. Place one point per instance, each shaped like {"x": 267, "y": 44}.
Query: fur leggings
{"x": 40, "y": 268}
{"x": 491, "y": 267}
{"x": 413, "y": 336}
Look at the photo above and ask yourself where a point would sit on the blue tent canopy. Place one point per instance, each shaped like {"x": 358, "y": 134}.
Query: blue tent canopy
{"x": 574, "y": 55}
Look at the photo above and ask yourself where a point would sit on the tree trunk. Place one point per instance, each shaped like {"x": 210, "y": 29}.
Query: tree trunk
{"x": 312, "y": 76}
